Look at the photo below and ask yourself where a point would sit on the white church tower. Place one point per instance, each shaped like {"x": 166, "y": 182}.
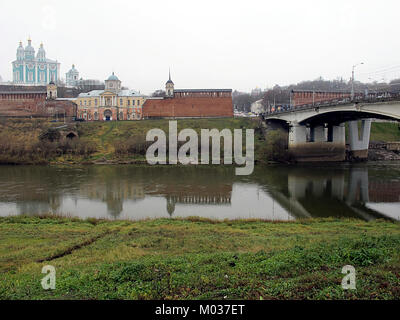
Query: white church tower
{"x": 169, "y": 87}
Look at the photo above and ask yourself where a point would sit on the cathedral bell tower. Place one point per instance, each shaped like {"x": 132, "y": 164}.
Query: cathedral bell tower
{"x": 113, "y": 84}
{"x": 51, "y": 91}
{"x": 169, "y": 87}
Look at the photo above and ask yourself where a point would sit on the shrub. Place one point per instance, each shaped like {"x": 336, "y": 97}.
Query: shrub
{"x": 135, "y": 145}
{"x": 275, "y": 147}
{"x": 23, "y": 150}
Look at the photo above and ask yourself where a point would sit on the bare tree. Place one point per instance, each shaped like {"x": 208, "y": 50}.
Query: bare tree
{"x": 158, "y": 93}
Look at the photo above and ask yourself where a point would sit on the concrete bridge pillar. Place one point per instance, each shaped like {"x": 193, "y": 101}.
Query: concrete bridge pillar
{"x": 319, "y": 144}
{"x": 319, "y": 134}
{"x": 338, "y": 134}
{"x": 297, "y": 134}
{"x": 359, "y": 141}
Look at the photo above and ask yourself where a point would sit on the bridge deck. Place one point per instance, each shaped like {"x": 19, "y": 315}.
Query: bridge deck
{"x": 332, "y": 103}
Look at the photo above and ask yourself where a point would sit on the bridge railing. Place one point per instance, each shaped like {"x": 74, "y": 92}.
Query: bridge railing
{"x": 375, "y": 97}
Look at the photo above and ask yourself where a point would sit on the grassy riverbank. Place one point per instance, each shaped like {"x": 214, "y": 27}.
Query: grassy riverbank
{"x": 198, "y": 259}
{"x": 98, "y": 142}
{"x": 125, "y": 142}
{"x": 381, "y": 131}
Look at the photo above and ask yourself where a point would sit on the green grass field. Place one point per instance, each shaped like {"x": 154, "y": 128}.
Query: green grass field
{"x": 385, "y": 131}
{"x": 198, "y": 259}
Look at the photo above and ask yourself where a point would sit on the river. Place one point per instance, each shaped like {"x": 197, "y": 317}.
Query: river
{"x": 277, "y": 192}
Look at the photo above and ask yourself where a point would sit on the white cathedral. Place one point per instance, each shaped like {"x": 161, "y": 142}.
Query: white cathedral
{"x": 72, "y": 77}
{"x": 34, "y": 70}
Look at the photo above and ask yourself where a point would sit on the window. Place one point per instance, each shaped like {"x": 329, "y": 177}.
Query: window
{"x": 80, "y": 102}
{"x": 85, "y": 102}
{"x": 129, "y": 102}
{"x": 133, "y": 102}
{"x": 120, "y": 102}
{"x": 90, "y": 102}
{"x": 95, "y": 103}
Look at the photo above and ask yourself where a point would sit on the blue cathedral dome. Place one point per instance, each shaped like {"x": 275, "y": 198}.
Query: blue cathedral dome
{"x": 29, "y": 46}
{"x": 29, "y": 51}
{"x": 41, "y": 55}
{"x": 20, "y": 51}
{"x": 113, "y": 77}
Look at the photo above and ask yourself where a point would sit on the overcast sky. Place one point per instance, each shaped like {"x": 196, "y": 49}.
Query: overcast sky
{"x": 208, "y": 44}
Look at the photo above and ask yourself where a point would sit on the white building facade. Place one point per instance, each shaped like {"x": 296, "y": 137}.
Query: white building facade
{"x": 72, "y": 77}
{"x": 111, "y": 104}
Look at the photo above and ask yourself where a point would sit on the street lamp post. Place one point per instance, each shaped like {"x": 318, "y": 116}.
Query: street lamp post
{"x": 352, "y": 80}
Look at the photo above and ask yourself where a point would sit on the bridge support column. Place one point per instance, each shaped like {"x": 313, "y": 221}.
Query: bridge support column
{"x": 319, "y": 134}
{"x": 338, "y": 134}
{"x": 297, "y": 135}
{"x": 322, "y": 145}
{"x": 359, "y": 142}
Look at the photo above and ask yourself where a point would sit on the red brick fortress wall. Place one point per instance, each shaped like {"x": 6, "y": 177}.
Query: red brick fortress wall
{"x": 36, "y": 108}
{"x": 308, "y": 97}
{"x": 186, "y": 104}
{"x": 30, "y": 101}
{"x": 21, "y": 107}
{"x": 59, "y": 107}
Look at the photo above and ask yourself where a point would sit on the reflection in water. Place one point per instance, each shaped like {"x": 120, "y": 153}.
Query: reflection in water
{"x": 138, "y": 192}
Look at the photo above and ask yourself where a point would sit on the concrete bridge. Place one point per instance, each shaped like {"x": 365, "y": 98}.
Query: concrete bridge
{"x": 317, "y": 131}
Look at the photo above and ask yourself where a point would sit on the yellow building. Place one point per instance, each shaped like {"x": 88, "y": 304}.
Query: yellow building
{"x": 113, "y": 103}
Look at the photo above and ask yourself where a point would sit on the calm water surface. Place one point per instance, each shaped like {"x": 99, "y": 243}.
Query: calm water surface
{"x": 367, "y": 191}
